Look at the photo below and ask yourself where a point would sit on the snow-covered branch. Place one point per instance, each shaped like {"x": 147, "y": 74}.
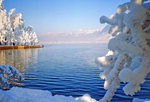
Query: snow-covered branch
{"x": 7, "y": 73}
{"x": 130, "y": 28}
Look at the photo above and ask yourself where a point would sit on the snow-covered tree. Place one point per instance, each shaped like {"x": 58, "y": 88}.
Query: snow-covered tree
{"x": 3, "y": 24}
{"x": 12, "y": 29}
{"x": 34, "y": 39}
{"x": 128, "y": 58}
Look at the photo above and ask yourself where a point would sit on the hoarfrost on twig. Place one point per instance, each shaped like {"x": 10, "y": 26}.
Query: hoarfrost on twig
{"x": 130, "y": 28}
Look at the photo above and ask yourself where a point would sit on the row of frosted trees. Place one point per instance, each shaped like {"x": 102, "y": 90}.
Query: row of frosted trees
{"x": 12, "y": 29}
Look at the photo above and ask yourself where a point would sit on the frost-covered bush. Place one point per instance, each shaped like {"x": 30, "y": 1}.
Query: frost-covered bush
{"x": 128, "y": 60}
{"x": 12, "y": 30}
{"x": 7, "y": 74}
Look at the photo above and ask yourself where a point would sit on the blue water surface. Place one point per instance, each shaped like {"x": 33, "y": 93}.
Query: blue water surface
{"x": 68, "y": 70}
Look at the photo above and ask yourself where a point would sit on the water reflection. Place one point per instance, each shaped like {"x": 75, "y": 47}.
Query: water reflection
{"x": 21, "y": 59}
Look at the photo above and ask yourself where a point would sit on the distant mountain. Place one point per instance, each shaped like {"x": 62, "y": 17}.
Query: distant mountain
{"x": 83, "y": 36}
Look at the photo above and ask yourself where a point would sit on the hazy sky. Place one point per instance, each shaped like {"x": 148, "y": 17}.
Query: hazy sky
{"x": 63, "y": 15}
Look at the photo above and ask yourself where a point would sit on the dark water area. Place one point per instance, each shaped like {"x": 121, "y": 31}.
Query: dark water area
{"x": 68, "y": 70}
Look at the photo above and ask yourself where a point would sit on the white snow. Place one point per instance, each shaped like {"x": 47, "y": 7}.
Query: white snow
{"x": 17, "y": 94}
{"x": 126, "y": 75}
{"x": 129, "y": 62}
{"x": 13, "y": 31}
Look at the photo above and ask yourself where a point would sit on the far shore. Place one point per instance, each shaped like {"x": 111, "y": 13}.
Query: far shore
{"x": 6, "y": 47}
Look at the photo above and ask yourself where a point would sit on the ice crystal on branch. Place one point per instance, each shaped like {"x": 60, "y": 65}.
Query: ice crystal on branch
{"x": 130, "y": 29}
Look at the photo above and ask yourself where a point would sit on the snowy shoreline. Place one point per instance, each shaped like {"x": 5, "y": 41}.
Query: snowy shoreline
{"x": 17, "y": 94}
{"x": 20, "y": 47}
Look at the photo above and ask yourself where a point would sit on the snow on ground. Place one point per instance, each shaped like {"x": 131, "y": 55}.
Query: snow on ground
{"x": 17, "y": 94}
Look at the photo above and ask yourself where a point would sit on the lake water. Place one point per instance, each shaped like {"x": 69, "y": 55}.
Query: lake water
{"x": 68, "y": 70}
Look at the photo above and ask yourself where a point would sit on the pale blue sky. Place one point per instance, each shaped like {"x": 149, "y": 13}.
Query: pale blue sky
{"x": 63, "y": 15}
